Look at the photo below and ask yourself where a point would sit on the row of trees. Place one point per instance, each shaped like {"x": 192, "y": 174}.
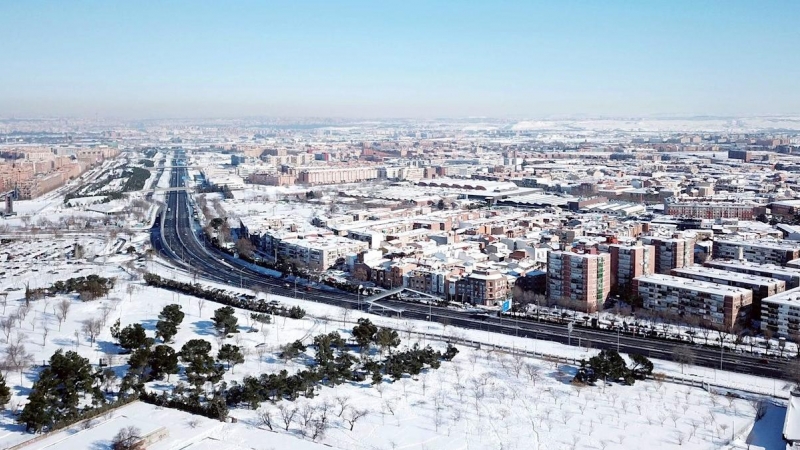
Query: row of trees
{"x": 196, "y": 290}
{"x": 89, "y": 287}
{"x": 335, "y": 364}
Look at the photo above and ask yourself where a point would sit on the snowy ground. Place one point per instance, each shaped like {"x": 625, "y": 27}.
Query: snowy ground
{"x": 483, "y": 399}
{"x": 186, "y": 432}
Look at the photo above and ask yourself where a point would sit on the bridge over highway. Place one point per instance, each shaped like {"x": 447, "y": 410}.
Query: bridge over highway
{"x": 402, "y": 293}
{"x": 173, "y": 167}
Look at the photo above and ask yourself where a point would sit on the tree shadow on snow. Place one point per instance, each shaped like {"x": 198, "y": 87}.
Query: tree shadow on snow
{"x": 100, "y": 445}
{"x": 10, "y": 422}
{"x": 204, "y": 328}
{"x": 149, "y": 324}
{"x": 109, "y": 348}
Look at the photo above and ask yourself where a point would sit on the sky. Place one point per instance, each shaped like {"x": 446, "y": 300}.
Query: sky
{"x": 388, "y": 59}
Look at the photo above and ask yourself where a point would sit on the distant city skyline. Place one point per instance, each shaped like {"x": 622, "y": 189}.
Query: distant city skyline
{"x": 406, "y": 59}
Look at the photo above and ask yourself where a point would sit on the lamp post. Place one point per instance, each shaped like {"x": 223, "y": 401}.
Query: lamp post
{"x": 360, "y": 287}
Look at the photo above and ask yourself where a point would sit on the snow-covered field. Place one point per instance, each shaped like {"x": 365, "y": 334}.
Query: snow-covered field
{"x": 483, "y": 399}
{"x": 185, "y": 432}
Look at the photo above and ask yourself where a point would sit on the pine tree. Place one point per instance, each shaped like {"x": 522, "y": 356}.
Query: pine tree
{"x": 225, "y": 321}
{"x": 163, "y": 360}
{"x": 37, "y": 413}
{"x": 230, "y": 354}
{"x": 134, "y": 337}
{"x": 364, "y": 333}
{"x": 115, "y": 330}
{"x": 5, "y": 392}
{"x": 387, "y": 338}
{"x": 172, "y": 313}
{"x": 166, "y": 330}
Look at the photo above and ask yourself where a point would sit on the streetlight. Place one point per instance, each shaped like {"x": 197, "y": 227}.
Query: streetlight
{"x": 360, "y": 287}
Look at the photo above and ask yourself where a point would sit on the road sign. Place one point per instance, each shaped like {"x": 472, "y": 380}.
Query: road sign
{"x": 506, "y": 305}
{"x": 569, "y": 327}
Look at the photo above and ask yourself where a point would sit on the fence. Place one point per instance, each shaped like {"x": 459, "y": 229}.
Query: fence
{"x": 693, "y": 382}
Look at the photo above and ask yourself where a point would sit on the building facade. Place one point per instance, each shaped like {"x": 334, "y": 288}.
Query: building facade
{"x": 760, "y": 252}
{"x": 711, "y": 210}
{"x": 485, "y": 287}
{"x": 762, "y": 287}
{"x": 671, "y": 253}
{"x": 581, "y": 280}
{"x": 780, "y": 314}
{"x": 714, "y": 304}
{"x": 629, "y": 262}
{"x": 788, "y": 275}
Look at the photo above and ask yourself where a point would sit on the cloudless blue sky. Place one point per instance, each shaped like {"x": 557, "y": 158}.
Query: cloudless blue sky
{"x": 399, "y": 58}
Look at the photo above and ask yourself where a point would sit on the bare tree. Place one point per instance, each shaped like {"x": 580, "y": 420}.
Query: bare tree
{"x": 306, "y": 413}
{"x": 287, "y": 414}
{"x": 92, "y": 328}
{"x": 390, "y": 405}
{"x": 353, "y": 415}
{"x": 62, "y": 309}
{"x": 318, "y": 428}
{"x": 105, "y": 312}
{"x": 342, "y": 401}
{"x": 130, "y": 289}
{"x": 345, "y": 315}
{"x": 265, "y": 417}
{"x": 22, "y": 312}
{"x": 32, "y": 321}
{"x": 4, "y": 301}
{"x": 45, "y": 330}
{"x": 16, "y": 355}
{"x": 200, "y": 303}
{"x": 128, "y": 438}
{"x": 7, "y": 326}
{"x": 683, "y": 355}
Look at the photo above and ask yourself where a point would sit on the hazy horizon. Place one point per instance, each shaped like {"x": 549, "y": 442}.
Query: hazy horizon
{"x": 354, "y": 60}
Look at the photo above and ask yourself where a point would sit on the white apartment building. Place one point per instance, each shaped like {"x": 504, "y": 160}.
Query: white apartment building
{"x": 780, "y": 313}
{"x": 714, "y": 303}
{"x": 761, "y": 252}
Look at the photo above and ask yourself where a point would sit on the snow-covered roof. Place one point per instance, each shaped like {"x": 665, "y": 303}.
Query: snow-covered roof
{"x": 791, "y": 425}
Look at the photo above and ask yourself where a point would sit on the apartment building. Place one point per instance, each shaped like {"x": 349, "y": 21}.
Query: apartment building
{"x": 788, "y": 275}
{"x": 629, "y": 262}
{"x": 780, "y": 314}
{"x": 671, "y": 253}
{"x": 485, "y": 287}
{"x": 581, "y": 279}
{"x": 713, "y": 303}
{"x": 761, "y": 252}
{"x": 711, "y": 210}
{"x": 333, "y": 175}
{"x": 762, "y": 287}
{"x": 427, "y": 280}
{"x": 316, "y": 254}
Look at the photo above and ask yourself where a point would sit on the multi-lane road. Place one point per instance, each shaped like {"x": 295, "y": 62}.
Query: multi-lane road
{"x": 177, "y": 238}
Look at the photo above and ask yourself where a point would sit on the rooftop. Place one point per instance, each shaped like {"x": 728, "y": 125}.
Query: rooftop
{"x": 726, "y": 275}
{"x": 686, "y": 283}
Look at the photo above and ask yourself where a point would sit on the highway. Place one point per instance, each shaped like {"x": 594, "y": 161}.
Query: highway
{"x": 176, "y": 239}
